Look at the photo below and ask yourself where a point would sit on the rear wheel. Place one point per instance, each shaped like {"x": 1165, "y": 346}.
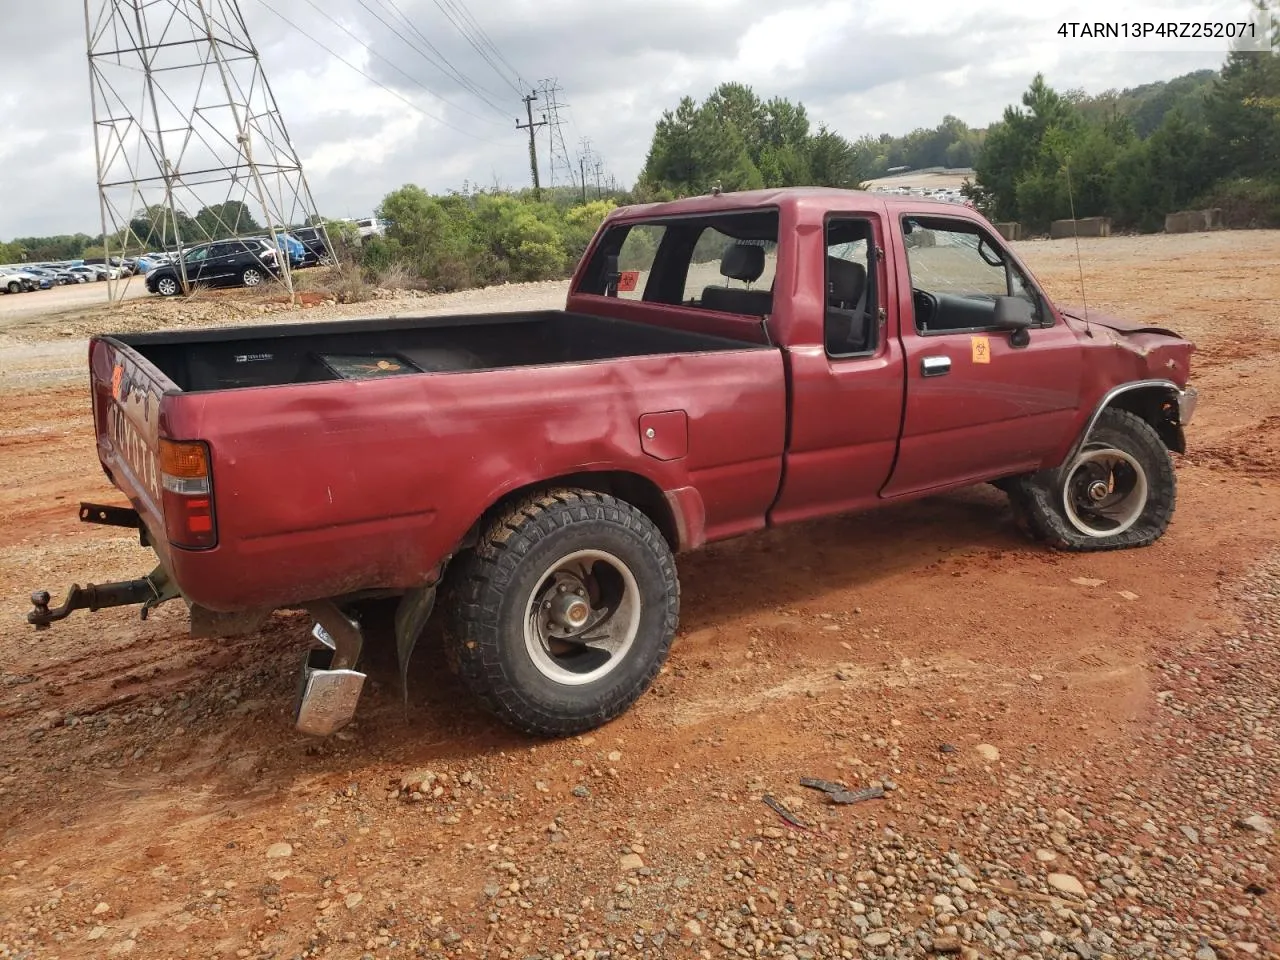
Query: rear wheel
{"x": 14, "y": 287}
{"x": 563, "y": 615}
{"x": 251, "y": 277}
{"x": 1119, "y": 491}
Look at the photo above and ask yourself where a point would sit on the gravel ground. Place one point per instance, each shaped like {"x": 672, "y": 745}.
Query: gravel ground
{"x": 1078, "y": 752}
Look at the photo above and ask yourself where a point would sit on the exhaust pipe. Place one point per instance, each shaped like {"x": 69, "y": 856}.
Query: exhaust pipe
{"x": 330, "y": 687}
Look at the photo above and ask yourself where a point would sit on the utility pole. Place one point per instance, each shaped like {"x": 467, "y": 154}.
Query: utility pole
{"x": 584, "y": 154}
{"x": 533, "y": 143}
{"x": 599, "y": 168}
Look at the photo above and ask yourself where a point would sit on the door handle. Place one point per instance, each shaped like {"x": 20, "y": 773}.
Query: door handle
{"x": 935, "y": 366}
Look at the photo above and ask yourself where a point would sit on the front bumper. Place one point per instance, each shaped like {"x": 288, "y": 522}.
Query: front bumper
{"x": 1187, "y": 401}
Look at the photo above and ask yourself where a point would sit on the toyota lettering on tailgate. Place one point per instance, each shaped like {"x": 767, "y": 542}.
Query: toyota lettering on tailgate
{"x": 135, "y": 452}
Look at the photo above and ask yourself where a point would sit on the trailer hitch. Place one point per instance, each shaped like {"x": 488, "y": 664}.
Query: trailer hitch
{"x": 150, "y": 591}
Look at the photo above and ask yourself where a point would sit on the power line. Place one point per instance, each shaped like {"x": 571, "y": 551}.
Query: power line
{"x": 381, "y": 86}
{"x": 448, "y": 68}
{"x": 445, "y": 8}
{"x": 484, "y": 38}
{"x": 393, "y": 65}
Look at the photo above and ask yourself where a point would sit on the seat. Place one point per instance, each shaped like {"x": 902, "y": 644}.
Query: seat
{"x": 848, "y": 327}
{"x": 743, "y": 262}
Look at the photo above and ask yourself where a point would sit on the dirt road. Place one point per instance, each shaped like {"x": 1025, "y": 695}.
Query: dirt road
{"x": 1080, "y": 752}
{"x": 15, "y": 308}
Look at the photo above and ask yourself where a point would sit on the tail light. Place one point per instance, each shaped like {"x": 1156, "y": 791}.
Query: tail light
{"x": 188, "y": 494}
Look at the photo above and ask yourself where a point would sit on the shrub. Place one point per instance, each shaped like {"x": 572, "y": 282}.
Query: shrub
{"x": 1245, "y": 202}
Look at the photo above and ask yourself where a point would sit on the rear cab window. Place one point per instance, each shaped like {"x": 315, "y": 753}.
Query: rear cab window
{"x": 722, "y": 262}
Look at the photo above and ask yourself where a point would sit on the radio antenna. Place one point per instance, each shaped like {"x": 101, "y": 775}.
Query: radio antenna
{"x": 1075, "y": 230}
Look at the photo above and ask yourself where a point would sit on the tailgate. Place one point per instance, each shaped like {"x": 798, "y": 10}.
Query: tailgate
{"x": 127, "y": 392}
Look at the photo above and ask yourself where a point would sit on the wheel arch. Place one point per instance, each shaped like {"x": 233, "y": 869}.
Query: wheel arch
{"x": 636, "y": 489}
{"x": 1155, "y": 401}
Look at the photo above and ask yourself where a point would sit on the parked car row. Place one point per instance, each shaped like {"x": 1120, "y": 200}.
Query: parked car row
{"x": 25, "y": 277}
{"x": 241, "y": 261}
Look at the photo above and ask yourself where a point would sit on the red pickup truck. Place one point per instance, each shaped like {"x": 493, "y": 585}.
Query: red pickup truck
{"x": 724, "y": 363}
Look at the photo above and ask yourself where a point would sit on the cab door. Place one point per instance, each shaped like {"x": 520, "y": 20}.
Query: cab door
{"x": 845, "y": 374}
{"x": 981, "y": 403}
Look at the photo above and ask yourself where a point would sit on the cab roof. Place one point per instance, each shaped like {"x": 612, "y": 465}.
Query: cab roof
{"x": 805, "y": 203}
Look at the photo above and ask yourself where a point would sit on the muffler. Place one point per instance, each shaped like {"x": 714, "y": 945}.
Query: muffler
{"x": 330, "y": 687}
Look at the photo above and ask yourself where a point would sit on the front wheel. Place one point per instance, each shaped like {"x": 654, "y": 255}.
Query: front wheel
{"x": 167, "y": 286}
{"x": 1119, "y": 491}
{"x": 251, "y": 277}
{"x": 564, "y": 613}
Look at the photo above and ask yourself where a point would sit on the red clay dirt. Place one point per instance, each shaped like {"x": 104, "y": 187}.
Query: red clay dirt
{"x": 148, "y": 780}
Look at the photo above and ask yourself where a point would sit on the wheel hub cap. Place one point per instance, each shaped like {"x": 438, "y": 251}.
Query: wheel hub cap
{"x": 1105, "y": 491}
{"x": 569, "y": 611}
{"x": 582, "y": 620}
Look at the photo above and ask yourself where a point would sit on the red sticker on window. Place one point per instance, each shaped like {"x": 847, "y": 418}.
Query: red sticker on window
{"x": 627, "y": 280}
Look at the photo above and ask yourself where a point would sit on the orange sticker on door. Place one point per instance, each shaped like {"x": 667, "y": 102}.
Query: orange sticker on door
{"x": 981, "y": 349}
{"x": 627, "y": 280}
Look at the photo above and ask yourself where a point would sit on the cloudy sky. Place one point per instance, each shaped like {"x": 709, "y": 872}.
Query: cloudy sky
{"x": 862, "y": 66}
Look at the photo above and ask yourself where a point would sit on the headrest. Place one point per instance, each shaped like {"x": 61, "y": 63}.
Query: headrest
{"x": 845, "y": 280}
{"x": 743, "y": 262}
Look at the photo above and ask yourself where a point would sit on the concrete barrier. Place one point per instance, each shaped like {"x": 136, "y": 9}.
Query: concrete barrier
{"x": 1085, "y": 227}
{"x": 1193, "y": 221}
{"x": 1009, "y": 230}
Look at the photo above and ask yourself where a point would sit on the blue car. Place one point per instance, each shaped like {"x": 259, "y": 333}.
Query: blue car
{"x": 290, "y": 246}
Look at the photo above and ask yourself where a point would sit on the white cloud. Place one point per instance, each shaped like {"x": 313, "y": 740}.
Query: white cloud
{"x": 861, "y": 66}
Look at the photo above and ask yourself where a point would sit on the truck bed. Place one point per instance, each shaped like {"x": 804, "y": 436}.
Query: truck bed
{"x": 358, "y": 454}
{"x": 279, "y": 354}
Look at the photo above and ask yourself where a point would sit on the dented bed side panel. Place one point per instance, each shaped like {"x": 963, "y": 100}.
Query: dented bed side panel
{"x": 329, "y": 488}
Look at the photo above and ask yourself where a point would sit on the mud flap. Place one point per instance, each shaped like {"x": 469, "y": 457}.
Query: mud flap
{"x": 412, "y": 614}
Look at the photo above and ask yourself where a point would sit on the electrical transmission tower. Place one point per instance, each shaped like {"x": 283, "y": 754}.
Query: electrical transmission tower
{"x": 189, "y": 139}
{"x": 561, "y": 167}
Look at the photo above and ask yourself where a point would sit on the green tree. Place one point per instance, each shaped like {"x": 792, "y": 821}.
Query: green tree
{"x": 1243, "y": 115}
{"x": 741, "y": 142}
{"x": 157, "y": 228}
{"x": 229, "y": 219}
{"x": 1028, "y": 145}
{"x": 834, "y": 162}
{"x": 520, "y": 238}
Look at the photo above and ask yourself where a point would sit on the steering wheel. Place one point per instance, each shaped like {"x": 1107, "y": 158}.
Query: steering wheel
{"x": 926, "y": 307}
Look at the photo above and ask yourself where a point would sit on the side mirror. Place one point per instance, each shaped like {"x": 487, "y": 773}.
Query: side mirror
{"x": 1013, "y": 314}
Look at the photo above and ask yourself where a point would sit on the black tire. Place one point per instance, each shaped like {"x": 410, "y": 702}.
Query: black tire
{"x": 1055, "y": 505}
{"x": 168, "y": 286}
{"x": 252, "y": 277}
{"x": 14, "y": 286}
{"x": 495, "y": 590}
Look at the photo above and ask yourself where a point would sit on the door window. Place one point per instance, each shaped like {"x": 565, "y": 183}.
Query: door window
{"x": 957, "y": 272}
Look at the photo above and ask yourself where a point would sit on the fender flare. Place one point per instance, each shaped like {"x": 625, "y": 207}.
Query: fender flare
{"x": 1184, "y": 398}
